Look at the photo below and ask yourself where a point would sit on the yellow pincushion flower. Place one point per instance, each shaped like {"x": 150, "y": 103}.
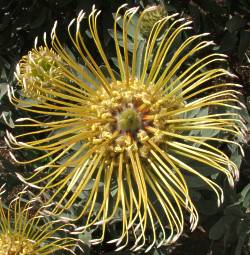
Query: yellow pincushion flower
{"x": 23, "y": 230}
{"x": 127, "y": 133}
{"x": 36, "y": 70}
{"x": 155, "y": 14}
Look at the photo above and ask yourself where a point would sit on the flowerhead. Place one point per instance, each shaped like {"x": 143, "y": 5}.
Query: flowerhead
{"x": 155, "y": 14}
{"x": 128, "y": 133}
{"x": 24, "y": 231}
{"x": 35, "y": 70}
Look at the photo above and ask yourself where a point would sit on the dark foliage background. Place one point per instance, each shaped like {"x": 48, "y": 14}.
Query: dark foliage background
{"x": 222, "y": 231}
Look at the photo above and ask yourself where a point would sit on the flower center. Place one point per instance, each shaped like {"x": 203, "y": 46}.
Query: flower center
{"x": 128, "y": 117}
{"x": 15, "y": 245}
{"x": 129, "y": 120}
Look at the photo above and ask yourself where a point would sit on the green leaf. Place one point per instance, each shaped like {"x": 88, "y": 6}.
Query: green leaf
{"x": 235, "y": 23}
{"x": 28, "y": 100}
{"x": 140, "y": 58}
{"x": 231, "y": 224}
{"x": 246, "y": 202}
{"x": 196, "y": 16}
{"x": 6, "y": 116}
{"x": 131, "y": 27}
{"x": 210, "y": 6}
{"x": 236, "y": 158}
{"x": 229, "y": 42}
{"x": 216, "y": 232}
{"x": 42, "y": 17}
{"x": 205, "y": 170}
{"x": 245, "y": 196}
{"x": 208, "y": 207}
{"x": 209, "y": 132}
{"x": 192, "y": 113}
{"x": 62, "y": 3}
{"x": 203, "y": 112}
{"x": 244, "y": 43}
{"x": 234, "y": 211}
{"x": 130, "y": 43}
{"x": 195, "y": 182}
{"x": 3, "y": 90}
{"x": 86, "y": 237}
{"x": 106, "y": 73}
{"x": 240, "y": 243}
{"x": 195, "y": 195}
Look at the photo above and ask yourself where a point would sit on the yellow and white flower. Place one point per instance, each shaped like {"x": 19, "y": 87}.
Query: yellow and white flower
{"x": 131, "y": 127}
{"x": 23, "y": 230}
